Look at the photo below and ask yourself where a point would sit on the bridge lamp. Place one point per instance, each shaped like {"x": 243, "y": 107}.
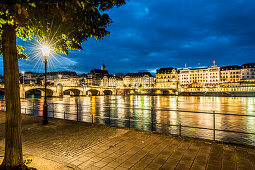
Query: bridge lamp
{"x": 45, "y": 53}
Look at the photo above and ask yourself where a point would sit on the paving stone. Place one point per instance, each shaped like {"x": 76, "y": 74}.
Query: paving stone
{"x": 153, "y": 166}
{"x": 127, "y": 164}
{"x": 101, "y": 164}
{"x": 121, "y": 168}
{"x": 228, "y": 165}
{"x": 198, "y": 167}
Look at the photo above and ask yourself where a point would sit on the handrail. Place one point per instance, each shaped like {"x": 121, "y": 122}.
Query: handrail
{"x": 152, "y": 123}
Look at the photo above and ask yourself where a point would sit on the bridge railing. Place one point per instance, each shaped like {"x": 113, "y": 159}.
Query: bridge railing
{"x": 89, "y": 113}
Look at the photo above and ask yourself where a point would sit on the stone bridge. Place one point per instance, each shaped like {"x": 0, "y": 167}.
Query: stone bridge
{"x": 59, "y": 90}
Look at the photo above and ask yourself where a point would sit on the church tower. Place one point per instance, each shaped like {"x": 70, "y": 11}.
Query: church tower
{"x": 103, "y": 67}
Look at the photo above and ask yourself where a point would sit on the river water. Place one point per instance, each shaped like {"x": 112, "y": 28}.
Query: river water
{"x": 157, "y": 113}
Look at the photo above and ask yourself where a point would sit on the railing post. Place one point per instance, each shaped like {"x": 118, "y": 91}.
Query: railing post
{"x": 53, "y": 113}
{"x": 214, "y": 125}
{"x": 129, "y": 122}
{"x": 64, "y": 115}
{"x": 109, "y": 116}
{"x": 180, "y": 129}
{"x": 77, "y": 112}
{"x": 33, "y": 108}
{"x": 92, "y": 121}
{"x": 25, "y": 110}
{"x": 152, "y": 120}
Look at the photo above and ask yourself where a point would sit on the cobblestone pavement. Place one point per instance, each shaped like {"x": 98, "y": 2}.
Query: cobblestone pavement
{"x": 81, "y": 146}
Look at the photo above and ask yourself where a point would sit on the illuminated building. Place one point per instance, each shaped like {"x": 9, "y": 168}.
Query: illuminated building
{"x": 68, "y": 81}
{"x": 136, "y": 80}
{"x": 248, "y": 71}
{"x": 167, "y": 78}
{"x": 200, "y": 77}
{"x": 230, "y": 76}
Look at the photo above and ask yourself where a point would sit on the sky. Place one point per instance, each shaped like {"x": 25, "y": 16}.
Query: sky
{"x": 150, "y": 34}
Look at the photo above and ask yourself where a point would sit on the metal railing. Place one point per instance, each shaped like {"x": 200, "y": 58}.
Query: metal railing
{"x": 130, "y": 120}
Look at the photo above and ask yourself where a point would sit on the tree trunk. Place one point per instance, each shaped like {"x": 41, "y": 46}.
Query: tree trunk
{"x": 13, "y": 146}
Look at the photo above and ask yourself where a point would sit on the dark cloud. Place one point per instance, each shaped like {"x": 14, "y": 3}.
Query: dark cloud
{"x": 149, "y": 34}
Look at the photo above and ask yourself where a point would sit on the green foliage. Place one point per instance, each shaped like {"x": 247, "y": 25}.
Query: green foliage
{"x": 62, "y": 24}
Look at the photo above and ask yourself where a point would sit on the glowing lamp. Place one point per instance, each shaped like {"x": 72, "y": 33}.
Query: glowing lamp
{"x": 45, "y": 51}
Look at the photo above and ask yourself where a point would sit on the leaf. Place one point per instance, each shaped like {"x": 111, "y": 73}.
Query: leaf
{"x": 32, "y": 4}
{"x": 2, "y": 21}
{"x": 24, "y": 11}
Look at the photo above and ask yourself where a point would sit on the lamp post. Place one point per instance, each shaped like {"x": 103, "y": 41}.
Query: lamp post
{"x": 45, "y": 52}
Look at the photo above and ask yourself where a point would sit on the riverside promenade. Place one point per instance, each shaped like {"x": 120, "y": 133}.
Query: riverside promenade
{"x": 69, "y": 145}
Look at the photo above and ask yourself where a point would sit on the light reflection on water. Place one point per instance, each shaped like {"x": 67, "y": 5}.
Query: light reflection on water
{"x": 142, "y": 110}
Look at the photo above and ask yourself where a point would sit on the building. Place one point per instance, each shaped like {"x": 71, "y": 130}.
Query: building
{"x": 230, "y": 74}
{"x": 200, "y": 77}
{"x": 119, "y": 80}
{"x": 74, "y": 81}
{"x": 167, "y": 78}
{"x": 108, "y": 81}
{"x": 96, "y": 75}
{"x": 248, "y": 71}
{"x": 141, "y": 79}
{"x": 31, "y": 78}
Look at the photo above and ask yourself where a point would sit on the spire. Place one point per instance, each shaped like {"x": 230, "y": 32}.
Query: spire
{"x": 103, "y": 66}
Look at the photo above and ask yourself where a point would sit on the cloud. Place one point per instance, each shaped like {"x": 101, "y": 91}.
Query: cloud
{"x": 149, "y": 34}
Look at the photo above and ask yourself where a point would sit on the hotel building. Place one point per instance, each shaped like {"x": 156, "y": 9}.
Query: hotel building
{"x": 201, "y": 77}
{"x": 167, "y": 78}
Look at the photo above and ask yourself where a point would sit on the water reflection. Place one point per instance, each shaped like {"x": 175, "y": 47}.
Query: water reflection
{"x": 157, "y": 113}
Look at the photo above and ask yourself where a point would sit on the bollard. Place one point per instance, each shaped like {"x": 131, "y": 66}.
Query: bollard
{"x": 64, "y": 115}
{"x": 180, "y": 129}
{"x": 25, "y": 110}
{"x": 213, "y": 125}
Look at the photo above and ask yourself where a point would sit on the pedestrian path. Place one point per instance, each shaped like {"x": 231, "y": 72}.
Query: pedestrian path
{"x": 77, "y": 145}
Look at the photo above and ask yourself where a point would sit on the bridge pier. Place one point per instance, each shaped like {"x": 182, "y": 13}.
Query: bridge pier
{"x": 22, "y": 91}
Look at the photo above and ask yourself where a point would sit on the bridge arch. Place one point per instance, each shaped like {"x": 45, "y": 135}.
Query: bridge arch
{"x": 107, "y": 92}
{"x": 72, "y": 92}
{"x": 93, "y": 92}
{"x": 39, "y": 91}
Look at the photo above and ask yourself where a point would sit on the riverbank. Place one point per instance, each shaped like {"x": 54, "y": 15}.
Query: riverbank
{"x": 219, "y": 94}
{"x": 77, "y": 145}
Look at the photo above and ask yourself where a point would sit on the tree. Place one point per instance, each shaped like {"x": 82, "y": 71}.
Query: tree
{"x": 62, "y": 24}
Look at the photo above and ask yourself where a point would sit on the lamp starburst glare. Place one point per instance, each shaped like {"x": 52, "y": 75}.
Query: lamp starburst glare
{"x": 45, "y": 51}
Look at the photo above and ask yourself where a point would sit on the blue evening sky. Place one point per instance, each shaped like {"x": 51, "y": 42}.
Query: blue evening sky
{"x": 149, "y": 34}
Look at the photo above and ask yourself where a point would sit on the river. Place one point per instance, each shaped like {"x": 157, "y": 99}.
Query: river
{"x": 161, "y": 110}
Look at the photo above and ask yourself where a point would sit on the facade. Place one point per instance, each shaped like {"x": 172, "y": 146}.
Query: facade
{"x": 248, "y": 71}
{"x": 108, "y": 81}
{"x": 201, "y": 77}
{"x": 230, "y": 75}
{"x": 167, "y": 78}
{"x": 74, "y": 81}
{"x": 119, "y": 80}
{"x": 136, "y": 80}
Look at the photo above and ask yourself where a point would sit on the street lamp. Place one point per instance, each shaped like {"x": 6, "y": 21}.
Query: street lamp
{"x": 46, "y": 53}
